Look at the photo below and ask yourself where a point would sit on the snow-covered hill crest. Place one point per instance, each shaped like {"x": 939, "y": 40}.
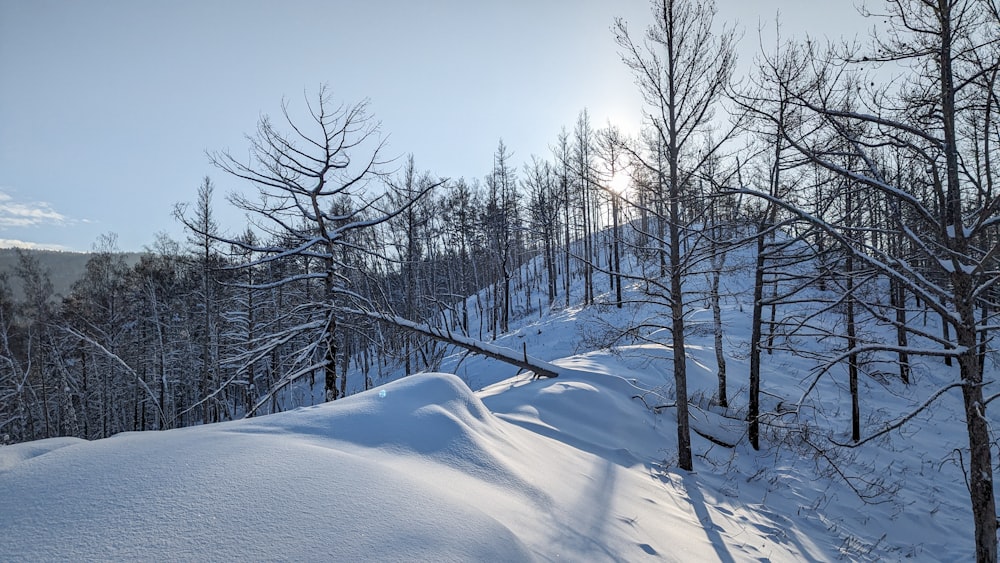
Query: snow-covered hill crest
{"x": 416, "y": 470}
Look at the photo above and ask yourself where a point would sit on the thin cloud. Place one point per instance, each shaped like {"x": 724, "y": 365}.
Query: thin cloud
{"x": 15, "y": 213}
{"x": 13, "y": 243}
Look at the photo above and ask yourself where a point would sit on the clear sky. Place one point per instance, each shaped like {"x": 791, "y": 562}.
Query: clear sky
{"x": 108, "y": 106}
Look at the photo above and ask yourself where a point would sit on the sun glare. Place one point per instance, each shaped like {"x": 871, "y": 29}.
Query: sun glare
{"x": 619, "y": 183}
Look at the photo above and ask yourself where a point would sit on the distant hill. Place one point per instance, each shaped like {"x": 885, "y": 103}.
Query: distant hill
{"x": 64, "y": 268}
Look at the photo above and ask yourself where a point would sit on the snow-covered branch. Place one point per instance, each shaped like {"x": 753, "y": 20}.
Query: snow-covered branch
{"x": 501, "y": 353}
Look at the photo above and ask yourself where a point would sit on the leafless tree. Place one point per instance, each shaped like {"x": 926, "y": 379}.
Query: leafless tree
{"x": 204, "y": 230}
{"x": 682, "y": 69}
{"x": 300, "y": 176}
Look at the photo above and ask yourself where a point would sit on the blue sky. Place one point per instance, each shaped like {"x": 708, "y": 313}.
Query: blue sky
{"x": 108, "y": 106}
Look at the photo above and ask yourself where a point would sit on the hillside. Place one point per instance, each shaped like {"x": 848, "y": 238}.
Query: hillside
{"x": 64, "y": 268}
{"x": 580, "y": 467}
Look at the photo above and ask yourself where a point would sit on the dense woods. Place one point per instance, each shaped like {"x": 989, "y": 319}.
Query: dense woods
{"x": 872, "y": 199}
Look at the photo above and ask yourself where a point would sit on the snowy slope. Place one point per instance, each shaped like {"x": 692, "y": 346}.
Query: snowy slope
{"x": 578, "y": 468}
{"x": 901, "y": 497}
{"x": 425, "y": 472}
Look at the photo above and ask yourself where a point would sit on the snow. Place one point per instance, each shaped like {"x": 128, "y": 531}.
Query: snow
{"x": 426, "y": 472}
{"x": 581, "y": 467}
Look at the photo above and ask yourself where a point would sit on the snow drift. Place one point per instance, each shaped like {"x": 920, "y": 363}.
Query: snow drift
{"x": 354, "y": 480}
{"x": 419, "y": 469}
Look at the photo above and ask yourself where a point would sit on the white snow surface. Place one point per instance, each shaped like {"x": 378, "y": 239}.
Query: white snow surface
{"x": 560, "y": 470}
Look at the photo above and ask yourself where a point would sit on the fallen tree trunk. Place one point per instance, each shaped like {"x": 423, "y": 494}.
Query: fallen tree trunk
{"x": 501, "y": 353}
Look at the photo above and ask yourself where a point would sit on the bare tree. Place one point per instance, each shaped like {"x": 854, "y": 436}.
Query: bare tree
{"x": 543, "y": 206}
{"x": 771, "y": 113}
{"x": 563, "y": 167}
{"x": 585, "y": 194}
{"x": 682, "y": 69}
{"x": 299, "y": 178}
{"x": 204, "y": 230}
{"x": 502, "y": 223}
{"x": 610, "y": 142}
{"x": 14, "y": 404}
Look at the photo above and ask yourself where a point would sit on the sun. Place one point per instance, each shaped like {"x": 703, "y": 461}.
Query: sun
{"x": 619, "y": 183}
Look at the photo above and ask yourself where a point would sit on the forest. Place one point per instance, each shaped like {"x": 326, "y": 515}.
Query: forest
{"x": 867, "y": 172}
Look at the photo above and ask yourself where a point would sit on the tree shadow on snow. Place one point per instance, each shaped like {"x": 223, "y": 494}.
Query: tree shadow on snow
{"x": 697, "y": 500}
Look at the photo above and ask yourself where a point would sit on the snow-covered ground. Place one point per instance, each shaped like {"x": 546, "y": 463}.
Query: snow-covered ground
{"x": 420, "y": 469}
{"x": 575, "y": 468}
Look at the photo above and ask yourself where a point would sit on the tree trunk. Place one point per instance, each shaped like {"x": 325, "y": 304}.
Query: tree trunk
{"x": 980, "y": 457}
{"x": 330, "y": 371}
{"x": 684, "y": 458}
{"x": 899, "y": 304}
{"x": 568, "y": 248}
{"x": 502, "y": 354}
{"x": 753, "y": 413}
{"x": 852, "y": 359}
{"x": 617, "y": 268}
{"x": 720, "y": 356}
